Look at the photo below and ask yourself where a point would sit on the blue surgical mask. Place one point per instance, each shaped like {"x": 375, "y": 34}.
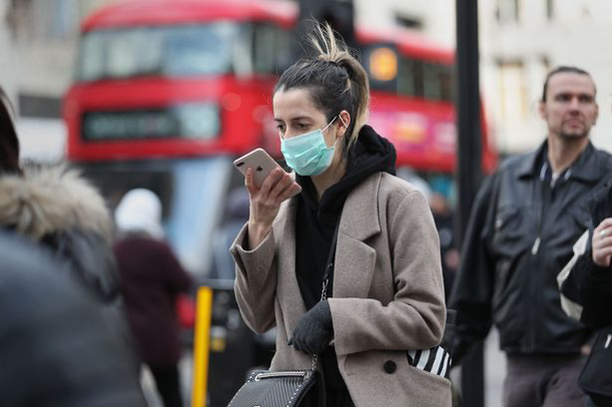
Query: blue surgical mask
{"x": 307, "y": 154}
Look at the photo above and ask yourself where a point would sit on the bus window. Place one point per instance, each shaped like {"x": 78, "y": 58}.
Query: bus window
{"x": 195, "y": 120}
{"x": 410, "y": 78}
{"x": 271, "y": 49}
{"x": 174, "y": 51}
{"x": 447, "y": 82}
{"x": 432, "y": 88}
{"x": 406, "y": 79}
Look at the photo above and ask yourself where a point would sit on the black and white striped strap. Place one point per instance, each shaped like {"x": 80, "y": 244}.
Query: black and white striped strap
{"x": 435, "y": 360}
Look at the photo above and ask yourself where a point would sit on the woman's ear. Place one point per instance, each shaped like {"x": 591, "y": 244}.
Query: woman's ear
{"x": 344, "y": 121}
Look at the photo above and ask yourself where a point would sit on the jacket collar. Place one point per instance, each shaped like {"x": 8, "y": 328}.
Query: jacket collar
{"x": 586, "y": 168}
{"x": 360, "y": 218}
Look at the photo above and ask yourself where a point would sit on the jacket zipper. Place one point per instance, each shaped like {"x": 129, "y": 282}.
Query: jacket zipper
{"x": 536, "y": 244}
{"x": 535, "y": 251}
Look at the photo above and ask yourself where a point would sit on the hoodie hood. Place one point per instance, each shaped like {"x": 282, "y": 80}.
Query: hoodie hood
{"x": 370, "y": 154}
{"x": 49, "y": 201}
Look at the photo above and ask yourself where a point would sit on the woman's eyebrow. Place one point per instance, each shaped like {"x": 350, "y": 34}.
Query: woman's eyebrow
{"x": 294, "y": 119}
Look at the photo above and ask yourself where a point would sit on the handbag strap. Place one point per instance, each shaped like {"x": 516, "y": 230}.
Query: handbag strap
{"x": 329, "y": 269}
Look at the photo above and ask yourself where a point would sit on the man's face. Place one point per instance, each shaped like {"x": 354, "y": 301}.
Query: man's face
{"x": 569, "y": 109}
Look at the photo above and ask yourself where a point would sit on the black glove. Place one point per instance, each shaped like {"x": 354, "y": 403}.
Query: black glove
{"x": 314, "y": 330}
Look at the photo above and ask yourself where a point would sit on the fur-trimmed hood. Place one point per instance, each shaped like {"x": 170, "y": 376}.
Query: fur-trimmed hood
{"x": 46, "y": 201}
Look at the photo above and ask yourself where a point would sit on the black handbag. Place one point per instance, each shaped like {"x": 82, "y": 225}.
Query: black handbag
{"x": 264, "y": 388}
{"x": 287, "y": 388}
{"x": 596, "y": 377}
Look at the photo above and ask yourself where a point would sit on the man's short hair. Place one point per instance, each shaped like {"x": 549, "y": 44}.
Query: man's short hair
{"x": 564, "y": 69}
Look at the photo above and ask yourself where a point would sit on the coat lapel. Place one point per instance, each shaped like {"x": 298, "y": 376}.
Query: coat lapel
{"x": 355, "y": 260}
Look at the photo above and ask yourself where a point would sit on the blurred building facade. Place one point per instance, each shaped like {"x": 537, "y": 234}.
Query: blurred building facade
{"x": 435, "y": 19}
{"x": 41, "y": 40}
{"x": 520, "y": 41}
{"x": 38, "y": 41}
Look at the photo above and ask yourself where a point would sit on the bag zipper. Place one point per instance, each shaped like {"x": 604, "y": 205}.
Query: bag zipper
{"x": 289, "y": 373}
{"x": 608, "y": 341}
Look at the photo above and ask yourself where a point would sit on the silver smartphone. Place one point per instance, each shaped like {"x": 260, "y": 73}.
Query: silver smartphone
{"x": 261, "y": 163}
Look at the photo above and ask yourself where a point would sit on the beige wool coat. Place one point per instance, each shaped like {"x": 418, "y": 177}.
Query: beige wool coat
{"x": 388, "y": 294}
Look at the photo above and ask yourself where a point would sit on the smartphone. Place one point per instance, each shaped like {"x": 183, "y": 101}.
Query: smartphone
{"x": 260, "y": 161}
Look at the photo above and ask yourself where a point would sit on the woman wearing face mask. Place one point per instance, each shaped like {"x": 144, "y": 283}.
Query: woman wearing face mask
{"x": 385, "y": 290}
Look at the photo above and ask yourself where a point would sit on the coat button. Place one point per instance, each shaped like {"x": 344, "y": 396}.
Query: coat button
{"x": 390, "y": 366}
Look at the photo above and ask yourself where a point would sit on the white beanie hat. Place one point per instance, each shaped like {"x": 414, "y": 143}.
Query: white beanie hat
{"x": 140, "y": 211}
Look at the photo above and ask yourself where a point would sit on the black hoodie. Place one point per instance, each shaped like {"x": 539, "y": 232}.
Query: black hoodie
{"x": 316, "y": 222}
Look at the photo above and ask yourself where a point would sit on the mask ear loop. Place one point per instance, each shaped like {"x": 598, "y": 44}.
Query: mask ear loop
{"x": 326, "y": 127}
{"x": 330, "y": 123}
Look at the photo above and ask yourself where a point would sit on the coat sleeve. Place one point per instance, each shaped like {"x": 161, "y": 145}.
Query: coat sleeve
{"x": 473, "y": 290}
{"x": 414, "y": 319}
{"x": 593, "y": 284}
{"x": 596, "y": 282}
{"x": 585, "y": 287}
{"x": 255, "y": 285}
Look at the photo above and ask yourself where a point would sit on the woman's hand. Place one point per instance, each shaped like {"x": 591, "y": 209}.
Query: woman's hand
{"x": 602, "y": 243}
{"x": 314, "y": 330}
{"x": 265, "y": 202}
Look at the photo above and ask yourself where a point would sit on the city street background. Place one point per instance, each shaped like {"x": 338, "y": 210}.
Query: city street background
{"x": 520, "y": 40}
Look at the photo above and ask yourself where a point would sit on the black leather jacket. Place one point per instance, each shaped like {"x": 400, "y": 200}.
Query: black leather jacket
{"x": 520, "y": 236}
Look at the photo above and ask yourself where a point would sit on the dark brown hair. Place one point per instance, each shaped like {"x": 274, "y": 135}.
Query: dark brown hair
{"x": 334, "y": 78}
{"x": 563, "y": 69}
{"x": 9, "y": 144}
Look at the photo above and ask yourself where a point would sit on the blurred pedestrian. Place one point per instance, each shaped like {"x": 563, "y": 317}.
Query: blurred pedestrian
{"x": 55, "y": 206}
{"x": 586, "y": 288}
{"x": 223, "y": 266}
{"x": 384, "y": 288}
{"x": 439, "y": 203}
{"x": 526, "y": 217}
{"x": 151, "y": 280}
{"x": 56, "y": 347}
{"x": 53, "y": 355}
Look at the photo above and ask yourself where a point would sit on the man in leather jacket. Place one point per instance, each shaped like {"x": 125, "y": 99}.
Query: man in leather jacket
{"x": 525, "y": 220}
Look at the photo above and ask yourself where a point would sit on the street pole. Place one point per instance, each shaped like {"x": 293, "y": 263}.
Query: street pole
{"x": 469, "y": 166}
